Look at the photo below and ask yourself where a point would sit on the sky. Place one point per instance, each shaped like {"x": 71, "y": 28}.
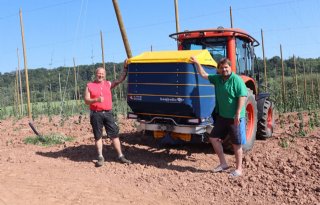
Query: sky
{"x": 63, "y": 32}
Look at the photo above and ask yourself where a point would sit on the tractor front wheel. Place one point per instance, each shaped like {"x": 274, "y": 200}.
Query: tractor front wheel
{"x": 251, "y": 117}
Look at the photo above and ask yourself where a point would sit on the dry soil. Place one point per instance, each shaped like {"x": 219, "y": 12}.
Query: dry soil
{"x": 281, "y": 170}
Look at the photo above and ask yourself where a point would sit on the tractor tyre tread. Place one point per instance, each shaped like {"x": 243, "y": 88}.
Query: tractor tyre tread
{"x": 263, "y": 131}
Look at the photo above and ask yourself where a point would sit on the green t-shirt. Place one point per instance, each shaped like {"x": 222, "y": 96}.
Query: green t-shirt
{"x": 228, "y": 93}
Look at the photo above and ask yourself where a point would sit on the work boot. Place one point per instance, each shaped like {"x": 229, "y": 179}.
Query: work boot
{"x": 100, "y": 161}
{"x": 123, "y": 160}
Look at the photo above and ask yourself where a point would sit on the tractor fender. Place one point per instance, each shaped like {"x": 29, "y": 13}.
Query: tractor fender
{"x": 261, "y": 98}
{"x": 249, "y": 83}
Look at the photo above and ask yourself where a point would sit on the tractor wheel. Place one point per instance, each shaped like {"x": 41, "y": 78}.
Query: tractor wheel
{"x": 251, "y": 125}
{"x": 251, "y": 117}
{"x": 266, "y": 123}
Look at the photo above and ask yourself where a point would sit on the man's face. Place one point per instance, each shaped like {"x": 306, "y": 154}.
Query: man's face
{"x": 225, "y": 70}
{"x": 100, "y": 75}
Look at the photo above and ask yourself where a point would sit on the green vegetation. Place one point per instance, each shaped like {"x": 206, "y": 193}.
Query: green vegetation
{"x": 59, "y": 91}
{"x": 56, "y": 92}
{"x": 48, "y": 140}
{"x": 301, "y": 131}
{"x": 284, "y": 142}
{"x": 301, "y": 91}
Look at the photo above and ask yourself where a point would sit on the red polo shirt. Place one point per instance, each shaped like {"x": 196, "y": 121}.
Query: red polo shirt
{"x": 100, "y": 89}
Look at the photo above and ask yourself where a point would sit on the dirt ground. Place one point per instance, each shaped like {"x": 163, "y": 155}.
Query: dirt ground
{"x": 65, "y": 174}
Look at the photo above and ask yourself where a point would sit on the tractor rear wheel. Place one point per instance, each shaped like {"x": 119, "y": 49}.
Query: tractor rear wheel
{"x": 251, "y": 117}
{"x": 266, "y": 123}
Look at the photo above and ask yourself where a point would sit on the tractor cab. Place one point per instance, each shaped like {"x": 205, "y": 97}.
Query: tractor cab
{"x": 235, "y": 44}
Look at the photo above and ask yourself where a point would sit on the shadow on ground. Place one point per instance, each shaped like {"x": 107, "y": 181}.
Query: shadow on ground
{"x": 139, "y": 149}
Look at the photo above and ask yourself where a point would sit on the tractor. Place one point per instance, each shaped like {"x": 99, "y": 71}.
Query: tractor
{"x": 171, "y": 101}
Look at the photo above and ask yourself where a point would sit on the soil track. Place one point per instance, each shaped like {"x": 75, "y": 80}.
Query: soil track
{"x": 65, "y": 174}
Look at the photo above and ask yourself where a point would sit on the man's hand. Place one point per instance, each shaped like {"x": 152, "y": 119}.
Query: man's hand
{"x": 193, "y": 59}
{"x": 125, "y": 65}
{"x": 100, "y": 99}
{"x": 237, "y": 119}
{"x": 199, "y": 67}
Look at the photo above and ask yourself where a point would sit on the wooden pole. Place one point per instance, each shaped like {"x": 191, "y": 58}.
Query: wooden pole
{"x": 75, "y": 80}
{"x": 312, "y": 86}
{"x": 78, "y": 86}
{"x": 177, "y": 15}
{"x": 177, "y": 19}
{"x": 61, "y": 99}
{"x": 122, "y": 29}
{"x": 60, "y": 90}
{"x": 16, "y": 93}
{"x": 1, "y": 101}
{"x": 305, "y": 84}
{"x": 264, "y": 62}
{"x": 276, "y": 74}
{"x": 296, "y": 76}
{"x": 21, "y": 96}
{"x": 231, "y": 19}
{"x": 25, "y": 65}
{"x": 115, "y": 77}
{"x": 283, "y": 83}
{"x": 20, "y": 84}
{"x": 318, "y": 86}
{"x": 102, "y": 50}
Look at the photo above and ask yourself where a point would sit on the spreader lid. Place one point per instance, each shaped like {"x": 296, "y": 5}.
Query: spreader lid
{"x": 203, "y": 56}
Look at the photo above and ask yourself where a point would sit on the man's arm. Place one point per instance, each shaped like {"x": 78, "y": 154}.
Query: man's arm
{"x": 122, "y": 76}
{"x": 241, "y": 103}
{"x": 88, "y": 100}
{"x": 199, "y": 67}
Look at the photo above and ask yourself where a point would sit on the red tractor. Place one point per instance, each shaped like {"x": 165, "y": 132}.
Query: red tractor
{"x": 169, "y": 99}
{"x": 238, "y": 46}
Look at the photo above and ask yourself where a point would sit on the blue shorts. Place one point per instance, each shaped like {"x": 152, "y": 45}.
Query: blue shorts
{"x": 224, "y": 126}
{"x": 100, "y": 119}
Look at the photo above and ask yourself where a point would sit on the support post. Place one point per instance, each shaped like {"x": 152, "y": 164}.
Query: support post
{"x": 25, "y": 65}
{"x": 122, "y": 29}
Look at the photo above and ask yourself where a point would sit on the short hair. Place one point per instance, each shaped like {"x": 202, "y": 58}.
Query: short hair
{"x": 99, "y": 68}
{"x": 224, "y": 61}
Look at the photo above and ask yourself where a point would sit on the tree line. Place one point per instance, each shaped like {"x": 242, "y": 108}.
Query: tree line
{"x": 52, "y": 84}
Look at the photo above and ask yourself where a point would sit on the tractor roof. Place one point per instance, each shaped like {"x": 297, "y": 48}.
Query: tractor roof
{"x": 214, "y": 32}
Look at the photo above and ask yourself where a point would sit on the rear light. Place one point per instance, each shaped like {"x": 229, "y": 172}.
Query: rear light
{"x": 194, "y": 121}
{"x": 158, "y": 134}
{"x": 184, "y": 137}
{"x": 132, "y": 116}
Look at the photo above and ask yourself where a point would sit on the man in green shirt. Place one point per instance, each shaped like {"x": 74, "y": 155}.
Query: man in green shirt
{"x": 231, "y": 94}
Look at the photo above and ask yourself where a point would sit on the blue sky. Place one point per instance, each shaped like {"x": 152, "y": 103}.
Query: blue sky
{"x": 56, "y": 31}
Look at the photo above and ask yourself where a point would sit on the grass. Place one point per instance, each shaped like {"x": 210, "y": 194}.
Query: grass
{"x": 48, "y": 140}
{"x": 285, "y": 142}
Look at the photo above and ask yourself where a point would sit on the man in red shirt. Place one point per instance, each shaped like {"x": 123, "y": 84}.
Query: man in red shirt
{"x": 99, "y": 97}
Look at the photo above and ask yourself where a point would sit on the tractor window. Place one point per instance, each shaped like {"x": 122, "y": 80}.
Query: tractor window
{"x": 243, "y": 57}
{"x": 195, "y": 47}
{"x": 217, "y": 47}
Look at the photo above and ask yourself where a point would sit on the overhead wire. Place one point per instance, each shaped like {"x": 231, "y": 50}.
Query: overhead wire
{"x": 36, "y": 9}
{"x": 78, "y": 38}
